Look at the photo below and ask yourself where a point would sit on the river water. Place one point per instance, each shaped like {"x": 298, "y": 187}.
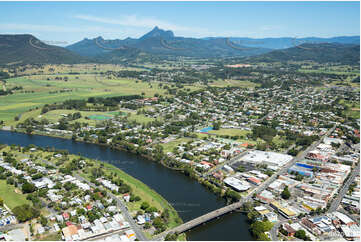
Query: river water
{"x": 187, "y": 196}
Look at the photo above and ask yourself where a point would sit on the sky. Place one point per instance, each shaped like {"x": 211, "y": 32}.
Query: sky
{"x": 63, "y": 23}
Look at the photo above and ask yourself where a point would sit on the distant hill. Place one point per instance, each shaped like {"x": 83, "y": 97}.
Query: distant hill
{"x": 126, "y": 56}
{"x": 321, "y": 53}
{"x": 26, "y": 49}
{"x": 287, "y": 42}
{"x": 161, "y": 42}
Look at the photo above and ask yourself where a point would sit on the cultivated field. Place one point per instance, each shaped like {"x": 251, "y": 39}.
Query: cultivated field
{"x": 39, "y": 90}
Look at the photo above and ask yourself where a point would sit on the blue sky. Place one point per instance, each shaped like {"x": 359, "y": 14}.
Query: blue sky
{"x": 72, "y": 21}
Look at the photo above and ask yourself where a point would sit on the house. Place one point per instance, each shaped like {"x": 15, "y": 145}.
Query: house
{"x": 288, "y": 229}
{"x": 41, "y": 230}
{"x": 59, "y": 218}
{"x": 69, "y": 231}
{"x": 130, "y": 234}
{"x": 140, "y": 219}
{"x": 126, "y": 197}
{"x": 65, "y": 216}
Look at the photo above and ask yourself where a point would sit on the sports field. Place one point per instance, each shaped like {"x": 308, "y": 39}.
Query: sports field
{"x": 10, "y": 197}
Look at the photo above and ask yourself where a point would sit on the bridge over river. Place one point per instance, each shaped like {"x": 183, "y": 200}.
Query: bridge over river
{"x": 221, "y": 211}
{"x": 202, "y": 219}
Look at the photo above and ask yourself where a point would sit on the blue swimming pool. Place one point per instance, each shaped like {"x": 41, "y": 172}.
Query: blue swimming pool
{"x": 205, "y": 130}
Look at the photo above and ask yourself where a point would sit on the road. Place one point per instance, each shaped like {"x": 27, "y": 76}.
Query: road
{"x": 11, "y": 227}
{"x": 264, "y": 185}
{"x": 120, "y": 203}
{"x": 231, "y": 161}
{"x": 274, "y": 230}
{"x": 104, "y": 235}
{"x": 284, "y": 169}
{"x": 336, "y": 202}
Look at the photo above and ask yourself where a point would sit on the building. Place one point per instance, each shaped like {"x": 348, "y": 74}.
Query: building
{"x": 351, "y": 232}
{"x": 237, "y": 184}
{"x": 282, "y": 210}
{"x": 272, "y": 217}
{"x": 288, "y": 229}
{"x": 301, "y": 171}
{"x": 254, "y": 181}
{"x": 266, "y": 157}
{"x": 344, "y": 219}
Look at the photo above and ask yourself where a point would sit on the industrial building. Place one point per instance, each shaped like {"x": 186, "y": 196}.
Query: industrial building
{"x": 266, "y": 157}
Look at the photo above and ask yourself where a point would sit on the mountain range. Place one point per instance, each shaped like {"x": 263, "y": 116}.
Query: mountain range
{"x": 161, "y": 42}
{"x": 25, "y": 49}
{"x": 347, "y": 54}
{"x": 158, "y": 44}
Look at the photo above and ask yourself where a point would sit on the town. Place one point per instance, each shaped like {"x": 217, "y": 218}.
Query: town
{"x": 180, "y": 121}
{"x": 288, "y": 154}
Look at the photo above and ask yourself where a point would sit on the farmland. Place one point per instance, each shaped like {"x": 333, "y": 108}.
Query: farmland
{"x": 44, "y": 89}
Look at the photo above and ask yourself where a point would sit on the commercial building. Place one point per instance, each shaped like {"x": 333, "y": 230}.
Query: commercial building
{"x": 237, "y": 184}
{"x": 266, "y": 157}
{"x": 282, "y": 210}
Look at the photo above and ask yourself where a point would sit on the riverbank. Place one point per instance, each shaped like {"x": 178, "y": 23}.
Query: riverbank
{"x": 187, "y": 196}
{"x": 209, "y": 184}
{"x": 228, "y": 194}
{"x": 136, "y": 187}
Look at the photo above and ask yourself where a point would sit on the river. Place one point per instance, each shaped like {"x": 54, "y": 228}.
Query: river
{"x": 187, "y": 196}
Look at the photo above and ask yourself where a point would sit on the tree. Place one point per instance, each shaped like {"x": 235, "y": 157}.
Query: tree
{"x": 43, "y": 221}
{"x": 286, "y": 193}
{"x": 259, "y": 227}
{"x": 171, "y": 237}
{"x": 263, "y": 237}
{"x": 216, "y": 125}
{"x": 241, "y": 168}
{"x": 28, "y": 187}
{"x": 25, "y": 212}
{"x": 301, "y": 234}
{"x": 158, "y": 224}
{"x": 144, "y": 205}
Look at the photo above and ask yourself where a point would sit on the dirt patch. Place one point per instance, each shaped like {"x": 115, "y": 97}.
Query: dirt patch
{"x": 18, "y": 191}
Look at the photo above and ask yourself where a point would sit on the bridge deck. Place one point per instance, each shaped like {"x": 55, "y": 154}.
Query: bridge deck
{"x": 202, "y": 219}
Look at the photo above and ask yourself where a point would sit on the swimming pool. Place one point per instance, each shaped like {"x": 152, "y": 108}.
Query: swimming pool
{"x": 205, "y": 130}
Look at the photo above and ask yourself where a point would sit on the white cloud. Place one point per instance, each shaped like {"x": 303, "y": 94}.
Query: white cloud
{"x": 51, "y": 28}
{"x": 141, "y": 22}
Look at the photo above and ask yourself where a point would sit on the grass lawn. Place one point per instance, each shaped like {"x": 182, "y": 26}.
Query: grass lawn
{"x": 140, "y": 118}
{"x": 234, "y": 83}
{"x": 11, "y": 198}
{"x": 168, "y": 147}
{"x": 50, "y": 237}
{"x": 353, "y": 108}
{"x": 230, "y": 132}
